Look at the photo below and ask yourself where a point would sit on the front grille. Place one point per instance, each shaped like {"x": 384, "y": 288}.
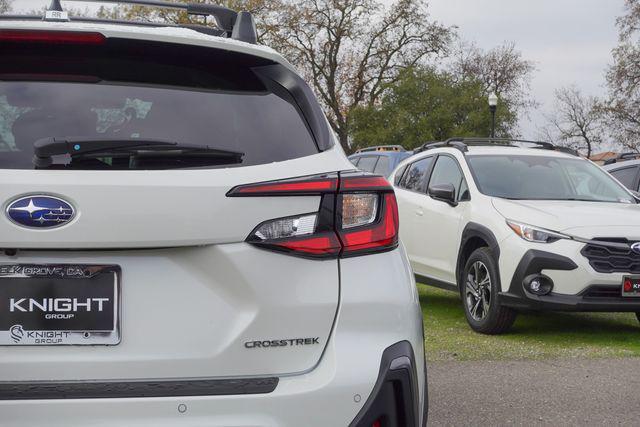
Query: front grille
{"x": 603, "y": 291}
{"x": 612, "y": 259}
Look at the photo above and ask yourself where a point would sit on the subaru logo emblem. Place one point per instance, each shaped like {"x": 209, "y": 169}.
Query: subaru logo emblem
{"x": 40, "y": 211}
{"x": 636, "y": 247}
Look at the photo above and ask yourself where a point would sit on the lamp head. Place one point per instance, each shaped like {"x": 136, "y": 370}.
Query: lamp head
{"x": 493, "y": 99}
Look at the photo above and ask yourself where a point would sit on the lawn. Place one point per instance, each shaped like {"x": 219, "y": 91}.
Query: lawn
{"x": 533, "y": 336}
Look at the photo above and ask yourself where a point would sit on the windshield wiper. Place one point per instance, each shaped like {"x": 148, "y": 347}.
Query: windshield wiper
{"x": 78, "y": 147}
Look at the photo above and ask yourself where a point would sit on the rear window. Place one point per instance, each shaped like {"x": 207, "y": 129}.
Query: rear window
{"x": 220, "y": 104}
{"x": 383, "y": 167}
{"x": 368, "y": 163}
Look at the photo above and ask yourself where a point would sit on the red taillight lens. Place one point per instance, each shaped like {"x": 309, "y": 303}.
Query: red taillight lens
{"x": 53, "y": 37}
{"x": 305, "y": 186}
{"x": 358, "y": 215}
{"x": 316, "y": 246}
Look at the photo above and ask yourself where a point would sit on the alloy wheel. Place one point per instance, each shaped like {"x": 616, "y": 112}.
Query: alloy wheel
{"x": 478, "y": 291}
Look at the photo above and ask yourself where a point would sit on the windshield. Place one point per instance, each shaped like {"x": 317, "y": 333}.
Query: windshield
{"x": 545, "y": 178}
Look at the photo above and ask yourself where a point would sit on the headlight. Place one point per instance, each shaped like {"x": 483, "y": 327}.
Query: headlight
{"x": 535, "y": 234}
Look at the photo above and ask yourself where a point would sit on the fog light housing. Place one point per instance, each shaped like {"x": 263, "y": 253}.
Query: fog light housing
{"x": 538, "y": 284}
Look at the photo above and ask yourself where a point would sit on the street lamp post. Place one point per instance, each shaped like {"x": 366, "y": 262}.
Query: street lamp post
{"x": 493, "y": 105}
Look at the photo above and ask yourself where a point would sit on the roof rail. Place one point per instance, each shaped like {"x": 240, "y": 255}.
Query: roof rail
{"x": 381, "y": 148}
{"x": 622, "y": 157}
{"x": 238, "y": 26}
{"x": 439, "y": 144}
{"x": 211, "y": 31}
{"x": 462, "y": 144}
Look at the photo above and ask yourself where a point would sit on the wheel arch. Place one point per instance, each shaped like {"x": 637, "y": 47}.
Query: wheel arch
{"x": 475, "y": 236}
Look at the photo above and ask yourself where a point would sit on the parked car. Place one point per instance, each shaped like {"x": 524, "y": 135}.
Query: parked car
{"x": 181, "y": 242}
{"x": 512, "y": 228}
{"x": 627, "y": 172}
{"x": 379, "y": 160}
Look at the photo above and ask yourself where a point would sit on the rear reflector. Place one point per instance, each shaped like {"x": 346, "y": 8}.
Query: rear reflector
{"x": 358, "y": 215}
{"x": 52, "y": 37}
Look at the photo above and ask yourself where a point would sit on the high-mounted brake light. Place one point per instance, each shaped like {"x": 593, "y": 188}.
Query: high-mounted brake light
{"x": 358, "y": 215}
{"x": 51, "y": 37}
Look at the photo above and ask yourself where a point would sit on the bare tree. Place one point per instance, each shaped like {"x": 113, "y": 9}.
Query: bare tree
{"x": 623, "y": 79}
{"x": 502, "y": 70}
{"x": 351, "y": 49}
{"x": 576, "y": 121}
{"x": 5, "y": 6}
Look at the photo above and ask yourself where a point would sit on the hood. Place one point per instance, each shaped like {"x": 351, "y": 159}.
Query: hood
{"x": 581, "y": 219}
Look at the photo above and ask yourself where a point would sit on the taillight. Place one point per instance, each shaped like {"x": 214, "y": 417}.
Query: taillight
{"x": 358, "y": 215}
{"x": 51, "y": 37}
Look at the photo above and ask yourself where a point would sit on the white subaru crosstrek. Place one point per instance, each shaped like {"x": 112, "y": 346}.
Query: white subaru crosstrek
{"x": 513, "y": 228}
{"x": 185, "y": 243}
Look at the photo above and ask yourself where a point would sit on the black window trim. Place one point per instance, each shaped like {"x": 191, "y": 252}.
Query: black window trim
{"x": 438, "y": 155}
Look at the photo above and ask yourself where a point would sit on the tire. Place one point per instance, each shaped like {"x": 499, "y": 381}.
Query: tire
{"x": 479, "y": 289}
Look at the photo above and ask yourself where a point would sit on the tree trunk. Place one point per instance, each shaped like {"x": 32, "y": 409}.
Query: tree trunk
{"x": 343, "y": 137}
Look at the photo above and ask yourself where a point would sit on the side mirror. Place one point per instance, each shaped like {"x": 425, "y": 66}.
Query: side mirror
{"x": 444, "y": 193}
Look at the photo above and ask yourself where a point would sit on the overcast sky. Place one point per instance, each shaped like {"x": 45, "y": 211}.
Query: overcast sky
{"x": 570, "y": 41}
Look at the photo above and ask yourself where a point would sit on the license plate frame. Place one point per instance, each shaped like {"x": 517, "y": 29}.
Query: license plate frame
{"x": 59, "y": 304}
{"x": 635, "y": 287}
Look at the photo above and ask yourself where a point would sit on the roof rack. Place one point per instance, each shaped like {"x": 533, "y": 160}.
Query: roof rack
{"x": 211, "y": 31}
{"x": 381, "y": 148}
{"x": 236, "y": 25}
{"x": 462, "y": 144}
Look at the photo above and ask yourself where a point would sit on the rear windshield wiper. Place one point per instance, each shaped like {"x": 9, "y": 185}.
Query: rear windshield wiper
{"x": 78, "y": 147}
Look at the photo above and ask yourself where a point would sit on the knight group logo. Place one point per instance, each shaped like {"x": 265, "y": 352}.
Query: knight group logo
{"x": 17, "y": 333}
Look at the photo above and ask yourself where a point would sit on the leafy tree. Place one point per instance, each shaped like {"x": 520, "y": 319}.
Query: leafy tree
{"x": 623, "y": 79}
{"x": 576, "y": 121}
{"x": 425, "y": 104}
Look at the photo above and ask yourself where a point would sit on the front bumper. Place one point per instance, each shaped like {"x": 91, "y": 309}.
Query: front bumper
{"x": 592, "y": 298}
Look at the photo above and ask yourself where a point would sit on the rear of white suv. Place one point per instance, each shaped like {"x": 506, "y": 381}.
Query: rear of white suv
{"x": 185, "y": 244}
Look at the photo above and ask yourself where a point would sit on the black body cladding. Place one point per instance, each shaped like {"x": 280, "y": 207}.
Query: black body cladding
{"x": 394, "y": 401}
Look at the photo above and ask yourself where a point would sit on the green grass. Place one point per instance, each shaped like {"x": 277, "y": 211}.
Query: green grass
{"x": 533, "y": 336}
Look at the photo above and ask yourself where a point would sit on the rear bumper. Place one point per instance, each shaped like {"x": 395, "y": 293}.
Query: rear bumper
{"x": 378, "y": 308}
{"x": 395, "y": 397}
{"x": 536, "y": 261}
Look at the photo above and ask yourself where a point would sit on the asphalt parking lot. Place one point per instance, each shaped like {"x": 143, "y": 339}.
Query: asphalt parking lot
{"x": 550, "y": 392}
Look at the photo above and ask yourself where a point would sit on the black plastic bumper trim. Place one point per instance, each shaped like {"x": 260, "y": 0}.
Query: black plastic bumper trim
{"x": 533, "y": 262}
{"x": 395, "y": 398}
{"x": 27, "y": 390}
